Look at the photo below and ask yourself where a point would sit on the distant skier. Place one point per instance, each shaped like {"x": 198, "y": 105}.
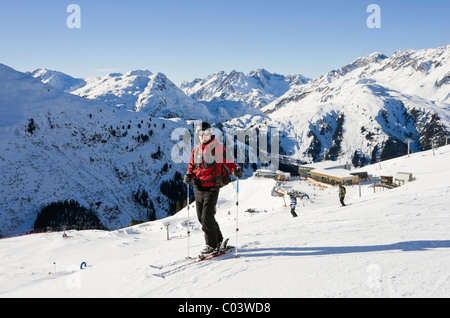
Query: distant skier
{"x": 207, "y": 169}
{"x": 293, "y": 204}
{"x": 342, "y": 192}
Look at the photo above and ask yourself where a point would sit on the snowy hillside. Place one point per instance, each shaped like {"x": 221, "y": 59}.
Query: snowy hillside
{"x": 57, "y": 147}
{"x": 385, "y": 244}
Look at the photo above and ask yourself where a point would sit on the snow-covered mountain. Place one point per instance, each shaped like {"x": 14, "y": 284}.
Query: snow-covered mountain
{"x": 59, "y": 80}
{"x": 388, "y": 244}
{"x": 258, "y": 88}
{"x": 366, "y": 110}
{"x": 143, "y": 91}
{"x": 116, "y": 89}
{"x": 58, "y": 147}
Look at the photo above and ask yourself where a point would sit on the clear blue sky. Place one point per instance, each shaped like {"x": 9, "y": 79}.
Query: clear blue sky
{"x": 186, "y": 39}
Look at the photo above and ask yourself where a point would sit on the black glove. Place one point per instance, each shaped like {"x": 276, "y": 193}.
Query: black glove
{"x": 237, "y": 173}
{"x": 187, "y": 178}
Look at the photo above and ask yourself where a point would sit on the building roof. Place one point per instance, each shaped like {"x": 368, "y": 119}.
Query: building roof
{"x": 324, "y": 165}
{"x": 334, "y": 173}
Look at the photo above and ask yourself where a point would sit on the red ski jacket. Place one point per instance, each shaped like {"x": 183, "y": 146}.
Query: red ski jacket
{"x": 207, "y": 164}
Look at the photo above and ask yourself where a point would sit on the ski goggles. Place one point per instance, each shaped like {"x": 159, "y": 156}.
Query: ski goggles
{"x": 207, "y": 132}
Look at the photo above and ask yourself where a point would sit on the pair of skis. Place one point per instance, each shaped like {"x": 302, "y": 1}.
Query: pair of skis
{"x": 177, "y": 266}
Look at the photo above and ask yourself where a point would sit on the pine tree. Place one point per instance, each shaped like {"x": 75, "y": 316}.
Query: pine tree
{"x": 66, "y": 213}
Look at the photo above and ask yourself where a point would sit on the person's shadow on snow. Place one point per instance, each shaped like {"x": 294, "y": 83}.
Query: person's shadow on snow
{"x": 333, "y": 250}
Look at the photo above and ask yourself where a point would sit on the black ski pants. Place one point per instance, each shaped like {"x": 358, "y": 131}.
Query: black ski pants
{"x": 205, "y": 202}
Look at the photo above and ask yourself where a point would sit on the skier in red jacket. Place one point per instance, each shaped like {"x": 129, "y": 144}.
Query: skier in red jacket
{"x": 207, "y": 169}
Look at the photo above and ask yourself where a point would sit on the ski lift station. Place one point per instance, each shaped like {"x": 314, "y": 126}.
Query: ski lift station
{"x": 329, "y": 172}
{"x": 277, "y": 175}
{"x": 265, "y": 173}
{"x": 334, "y": 176}
{"x": 304, "y": 170}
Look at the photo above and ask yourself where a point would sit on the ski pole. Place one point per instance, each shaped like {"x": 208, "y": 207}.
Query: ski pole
{"x": 237, "y": 216}
{"x": 187, "y": 224}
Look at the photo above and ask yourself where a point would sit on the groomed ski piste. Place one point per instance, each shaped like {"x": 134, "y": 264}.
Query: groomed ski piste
{"x": 393, "y": 243}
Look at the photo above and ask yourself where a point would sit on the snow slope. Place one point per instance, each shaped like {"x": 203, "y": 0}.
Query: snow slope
{"x": 386, "y": 244}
